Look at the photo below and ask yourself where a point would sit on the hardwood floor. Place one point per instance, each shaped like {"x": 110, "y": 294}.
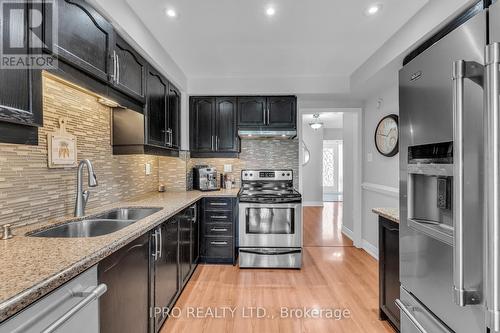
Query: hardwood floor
{"x": 335, "y": 277}
{"x": 323, "y": 226}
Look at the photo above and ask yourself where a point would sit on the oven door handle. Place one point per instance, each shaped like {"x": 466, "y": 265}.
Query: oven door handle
{"x": 271, "y": 252}
{"x": 295, "y": 205}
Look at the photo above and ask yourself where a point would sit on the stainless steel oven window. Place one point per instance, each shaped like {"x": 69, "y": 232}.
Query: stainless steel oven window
{"x": 263, "y": 220}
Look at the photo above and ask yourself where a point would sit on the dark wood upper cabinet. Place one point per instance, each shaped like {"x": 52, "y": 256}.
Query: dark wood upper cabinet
{"x": 282, "y": 112}
{"x": 226, "y": 131}
{"x": 156, "y": 114}
{"x": 174, "y": 117}
{"x": 251, "y": 111}
{"x": 85, "y": 38}
{"x": 267, "y": 112}
{"x": 213, "y": 127}
{"x": 20, "y": 93}
{"x": 128, "y": 72}
{"x": 201, "y": 117}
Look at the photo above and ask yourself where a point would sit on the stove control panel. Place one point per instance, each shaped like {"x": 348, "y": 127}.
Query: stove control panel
{"x": 252, "y": 175}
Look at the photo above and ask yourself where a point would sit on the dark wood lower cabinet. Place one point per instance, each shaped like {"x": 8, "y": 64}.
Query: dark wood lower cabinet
{"x": 389, "y": 271}
{"x": 218, "y": 218}
{"x": 149, "y": 273}
{"x": 125, "y": 306}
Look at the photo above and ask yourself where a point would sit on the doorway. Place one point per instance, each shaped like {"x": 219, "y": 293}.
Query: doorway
{"x": 330, "y": 172}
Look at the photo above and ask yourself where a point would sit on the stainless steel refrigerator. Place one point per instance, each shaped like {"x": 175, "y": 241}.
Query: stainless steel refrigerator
{"x": 450, "y": 177}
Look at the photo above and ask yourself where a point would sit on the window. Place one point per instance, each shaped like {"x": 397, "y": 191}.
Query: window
{"x": 333, "y": 166}
{"x": 328, "y": 167}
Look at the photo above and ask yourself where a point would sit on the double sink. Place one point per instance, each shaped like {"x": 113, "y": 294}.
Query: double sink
{"x": 97, "y": 225}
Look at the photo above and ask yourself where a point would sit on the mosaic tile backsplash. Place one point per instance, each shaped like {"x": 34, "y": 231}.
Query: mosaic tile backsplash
{"x": 257, "y": 154}
{"x": 30, "y": 192}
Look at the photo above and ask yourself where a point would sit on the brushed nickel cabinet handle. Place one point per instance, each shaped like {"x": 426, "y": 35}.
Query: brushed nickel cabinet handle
{"x": 218, "y": 216}
{"x": 218, "y": 243}
{"x": 219, "y": 229}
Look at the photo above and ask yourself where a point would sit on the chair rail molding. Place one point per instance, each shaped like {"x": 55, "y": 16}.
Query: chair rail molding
{"x": 382, "y": 189}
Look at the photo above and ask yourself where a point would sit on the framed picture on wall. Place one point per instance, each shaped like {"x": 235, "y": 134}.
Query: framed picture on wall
{"x": 62, "y": 152}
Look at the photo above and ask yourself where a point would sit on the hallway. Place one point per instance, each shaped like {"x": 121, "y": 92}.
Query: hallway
{"x": 323, "y": 226}
{"x": 335, "y": 275}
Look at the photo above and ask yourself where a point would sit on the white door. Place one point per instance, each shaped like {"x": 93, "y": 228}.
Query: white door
{"x": 332, "y": 170}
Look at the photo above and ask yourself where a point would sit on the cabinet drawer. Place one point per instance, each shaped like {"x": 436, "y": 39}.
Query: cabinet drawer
{"x": 222, "y": 216}
{"x": 218, "y": 229}
{"x": 218, "y": 247}
{"x": 218, "y": 204}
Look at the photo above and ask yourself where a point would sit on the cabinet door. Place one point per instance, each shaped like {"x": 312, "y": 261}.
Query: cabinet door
{"x": 195, "y": 236}
{"x": 174, "y": 117}
{"x": 389, "y": 270}
{"x": 166, "y": 273}
{"x": 201, "y": 134}
{"x": 20, "y": 89}
{"x": 85, "y": 38}
{"x": 156, "y": 108}
{"x": 282, "y": 112}
{"x": 124, "y": 307}
{"x": 251, "y": 111}
{"x": 225, "y": 125}
{"x": 128, "y": 70}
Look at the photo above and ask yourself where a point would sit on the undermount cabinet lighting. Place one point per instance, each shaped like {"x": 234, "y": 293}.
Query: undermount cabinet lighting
{"x": 107, "y": 102}
{"x": 270, "y": 11}
{"x": 171, "y": 13}
{"x": 373, "y": 9}
{"x": 316, "y": 124}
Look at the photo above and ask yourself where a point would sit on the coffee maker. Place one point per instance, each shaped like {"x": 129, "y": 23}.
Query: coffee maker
{"x": 205, "y": 178}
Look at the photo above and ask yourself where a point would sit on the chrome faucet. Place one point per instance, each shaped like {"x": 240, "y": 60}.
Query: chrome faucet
{"x": 83, "y": 196}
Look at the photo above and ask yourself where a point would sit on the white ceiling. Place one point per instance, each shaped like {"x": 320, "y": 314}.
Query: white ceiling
{"x": 307, "y": 38}
{"x": 329, "y": 119}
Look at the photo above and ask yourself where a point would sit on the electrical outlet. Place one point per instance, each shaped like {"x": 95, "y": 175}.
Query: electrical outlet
{"x": 369, "y": 157}
{"x": 147, "y": 169}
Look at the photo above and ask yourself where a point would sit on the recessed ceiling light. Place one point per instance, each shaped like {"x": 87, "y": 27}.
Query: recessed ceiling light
{"x": 373, "y": 9}
{"x": 171, "y": 13}
{"x": 270, "y": 11}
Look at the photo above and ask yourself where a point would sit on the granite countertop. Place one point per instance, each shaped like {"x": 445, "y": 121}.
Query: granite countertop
{"x": 32, "y": 267}
{"x": 389, "y": 213}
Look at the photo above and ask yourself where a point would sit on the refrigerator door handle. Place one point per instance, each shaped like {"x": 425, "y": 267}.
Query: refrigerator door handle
{"x": 492, "y": 175}
{"x": 474, "y": 71}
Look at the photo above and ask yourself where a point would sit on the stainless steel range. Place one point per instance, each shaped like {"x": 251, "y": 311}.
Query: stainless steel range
{"x": 270, "y": 220}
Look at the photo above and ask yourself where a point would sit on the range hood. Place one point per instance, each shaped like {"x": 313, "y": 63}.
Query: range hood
{"x": 267, "y": 134}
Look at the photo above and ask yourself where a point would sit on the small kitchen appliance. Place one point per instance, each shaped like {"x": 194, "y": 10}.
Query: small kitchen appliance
{"x": 205, "y": 178}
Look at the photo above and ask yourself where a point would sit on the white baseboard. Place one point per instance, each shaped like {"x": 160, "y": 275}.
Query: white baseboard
{"x": 313, "y": 203}
{"x": 348, "y": 232}
{"x": 370, "y": 249}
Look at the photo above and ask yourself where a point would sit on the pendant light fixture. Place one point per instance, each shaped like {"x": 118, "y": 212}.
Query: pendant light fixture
{"x": 316, "y": 124}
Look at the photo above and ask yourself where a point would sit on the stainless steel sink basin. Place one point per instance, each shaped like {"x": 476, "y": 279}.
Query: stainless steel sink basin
{"x": 97, "y": 225}
{"x": 127, "y": 214}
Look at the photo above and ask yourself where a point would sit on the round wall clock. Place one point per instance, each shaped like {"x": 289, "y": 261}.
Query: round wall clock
{"x": 387, "y": 136}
